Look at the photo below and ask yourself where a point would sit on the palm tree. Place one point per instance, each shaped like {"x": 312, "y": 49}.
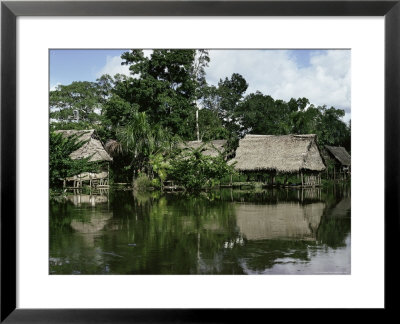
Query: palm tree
{"x": 141, "y": 140}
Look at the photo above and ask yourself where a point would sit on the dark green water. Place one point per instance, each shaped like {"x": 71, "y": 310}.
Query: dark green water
{"x": 222, "y": 232}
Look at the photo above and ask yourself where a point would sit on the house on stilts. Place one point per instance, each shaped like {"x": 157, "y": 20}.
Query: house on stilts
{"x": 281, "y": 154}
{"x": 93, "y": 149}
{"x": 339, "y": 161}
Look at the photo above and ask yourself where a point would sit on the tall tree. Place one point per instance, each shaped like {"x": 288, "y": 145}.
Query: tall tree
{"x": 198, "y": 73}
{"x": 105, "y": 85}
{"x": 79, "y": 96}
{"x": 230, "y": 92}
{"x": 261, "y": 114}
{"x": 163, "y": 87}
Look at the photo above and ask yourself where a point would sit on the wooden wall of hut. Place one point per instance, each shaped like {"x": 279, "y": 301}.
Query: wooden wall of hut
{"x": 93, "y": 180}
{"x": 338, "y": 173}
{"x": 312, "y": 180}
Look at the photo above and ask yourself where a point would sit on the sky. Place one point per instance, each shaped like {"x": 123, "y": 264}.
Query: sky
{"x": 322, "y": 76}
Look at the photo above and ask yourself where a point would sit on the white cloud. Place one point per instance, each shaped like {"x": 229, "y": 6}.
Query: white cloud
{"x": 54, "y": 86}
{"x": 113, "y": 66}
{"x": 147, "y": 53}
{"x": 325, "y": 81}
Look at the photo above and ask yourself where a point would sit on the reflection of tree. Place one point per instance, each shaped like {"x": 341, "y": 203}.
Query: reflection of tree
{"x": 335, "y": 225}
{"x": 218, "y": 232}
{"x": 73, "y": 237}
{"x": 174, "y": 234}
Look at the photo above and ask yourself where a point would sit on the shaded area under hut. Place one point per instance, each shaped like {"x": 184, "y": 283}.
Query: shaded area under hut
{"x": 338, "y": 161}
{"x": 286, "y": 155}
{"x": 92, "y": 149}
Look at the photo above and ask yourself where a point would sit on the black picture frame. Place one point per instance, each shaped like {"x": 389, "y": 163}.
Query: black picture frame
{"x": 10, "y": 10}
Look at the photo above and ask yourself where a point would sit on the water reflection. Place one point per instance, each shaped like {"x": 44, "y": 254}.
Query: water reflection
{"x": 280, "y": 221}
{"x": 220, "y": 232}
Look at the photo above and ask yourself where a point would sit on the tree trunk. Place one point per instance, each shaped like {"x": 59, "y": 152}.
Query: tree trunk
{"x": 197, "y": 124}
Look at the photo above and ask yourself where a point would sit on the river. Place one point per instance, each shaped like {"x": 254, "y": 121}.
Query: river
{"x": 274, "y": 231}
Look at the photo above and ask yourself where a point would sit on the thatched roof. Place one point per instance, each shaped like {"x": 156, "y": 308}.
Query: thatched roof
{"x": 340, "y": 154}
{"x": 284, "y": 153}
{"x": 92, "y": 146}
{"x": 212, "y": 148}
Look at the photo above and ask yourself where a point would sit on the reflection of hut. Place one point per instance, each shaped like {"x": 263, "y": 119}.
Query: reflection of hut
{"x": 287, "y": 154}
{"x": 90, "y": 228}
{"x": 91, "y": 200}
{"x": 280, "y": 221}
{"x": 94, "y": 225}
{"x": 93, "y": 149}
{"x": 340, "y": 160}
{"x": 212, "y": 148}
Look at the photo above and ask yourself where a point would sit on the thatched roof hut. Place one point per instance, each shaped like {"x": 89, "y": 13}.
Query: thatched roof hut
{"x": 92, "y": 146}
{"x": 284, "y": 153}
{"x": 339, "y": 154}
{"x": 212, "y": 148}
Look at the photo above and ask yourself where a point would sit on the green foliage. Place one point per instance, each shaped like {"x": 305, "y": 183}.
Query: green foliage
{"x": 147, "y": 113}
{"x": 156, "y": 183}
{"x": 260, "y": 114}
{"x": 231, "y": 92}
{"x": 82, "y": 96}
{"x": 60, "y": 164}
{"x": 141, "y": 140}
{"x": 194, "y": 170}
{"x": 211, "y": 126}
{"x": 160, "y": 166}
{"x": 163, "y": 86}
{"x": 64, "y": 125}
{"x": 117, "y": 111}
{"x": 142, "y": 182}
{"x": 221, "y": 104}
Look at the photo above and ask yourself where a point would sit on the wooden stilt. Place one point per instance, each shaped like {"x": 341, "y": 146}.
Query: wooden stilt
{"x": 108, "y": 173}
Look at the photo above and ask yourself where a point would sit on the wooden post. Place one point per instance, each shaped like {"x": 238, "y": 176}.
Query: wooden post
{"x": 108, "y": 175}
{"x": 302, "y": 182}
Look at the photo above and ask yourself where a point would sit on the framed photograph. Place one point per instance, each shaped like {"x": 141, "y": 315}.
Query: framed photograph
{"x": 160, "y": 159}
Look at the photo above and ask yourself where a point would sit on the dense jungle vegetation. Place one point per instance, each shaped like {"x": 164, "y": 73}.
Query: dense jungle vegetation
{"x": 166, "y": 100}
